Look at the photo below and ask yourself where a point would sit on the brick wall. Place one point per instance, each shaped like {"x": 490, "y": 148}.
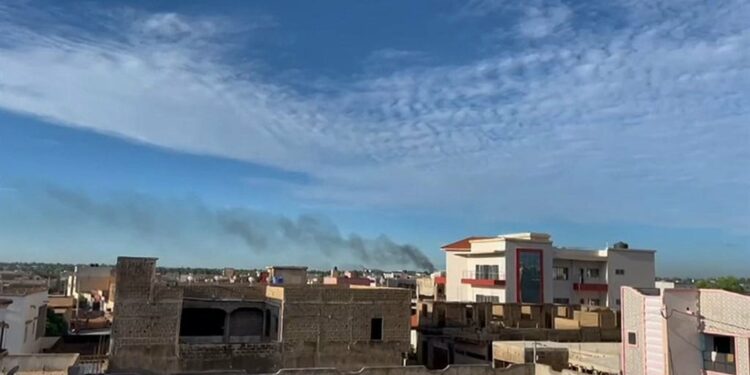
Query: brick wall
{"x": 331, "y": 326}
{"x": 147, "y": 318}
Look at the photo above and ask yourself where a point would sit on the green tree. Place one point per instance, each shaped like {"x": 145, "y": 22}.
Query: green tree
{"x": 55, "y": 324}
{"x": 729, "y": 283}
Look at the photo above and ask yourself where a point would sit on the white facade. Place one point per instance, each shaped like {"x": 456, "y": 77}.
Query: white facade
{"x": 492, "y": 269}
{"x": 26, "y": 318}
{"x": 685, "y": 331}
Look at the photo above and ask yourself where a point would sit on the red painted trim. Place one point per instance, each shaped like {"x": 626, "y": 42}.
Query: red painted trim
{"x": 440, "y": 280}
{"x": 483, "y": 282}
{"x": 586, "y": 287}
{"x": 518, "y": 271}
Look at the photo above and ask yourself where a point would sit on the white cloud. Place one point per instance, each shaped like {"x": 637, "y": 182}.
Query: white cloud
{"x": 543, "y": 21}
{"x": 597, "y": 128}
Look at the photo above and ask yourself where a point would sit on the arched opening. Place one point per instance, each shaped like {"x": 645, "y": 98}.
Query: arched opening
{"x": 246, "y": 322}
{"x": 202, "y": 322}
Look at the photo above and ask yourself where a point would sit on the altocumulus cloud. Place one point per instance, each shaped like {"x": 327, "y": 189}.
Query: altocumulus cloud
{"x": 606, "y": 124}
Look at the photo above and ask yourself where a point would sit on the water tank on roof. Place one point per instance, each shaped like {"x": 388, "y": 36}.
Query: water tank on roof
{"x": 620, "y": 245}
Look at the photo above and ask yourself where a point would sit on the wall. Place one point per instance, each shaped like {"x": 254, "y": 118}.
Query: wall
{"x": 632, "y": 356}
{"x": 640, "y": 272}
{"x": 26, "y": 326}
{"x": 419, "y": 370}
{"x": 454, "y": 266}
{"x": 291, "y": 276}
{"x": 683, "y": 335}
{"x": 40, "y": 364}
{"x": 331, "y": 326}
{"x": 146, "y": 325}
{"x": 728, "y": 313}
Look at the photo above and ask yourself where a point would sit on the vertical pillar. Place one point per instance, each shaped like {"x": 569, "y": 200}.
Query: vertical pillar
{"x": 226, "y": 326}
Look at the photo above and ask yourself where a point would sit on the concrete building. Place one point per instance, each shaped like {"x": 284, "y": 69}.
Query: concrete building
{"x": 24, "y": 317}
{"x": 685, "y": 331}
{"x": 527, "y": 268}
{"x": 288, "y": 275}
{"x": 431, "y": 287}
{"x": 94, "y": 283}
{"x": 590, "y": 357}
{"x": 169, "y": 327}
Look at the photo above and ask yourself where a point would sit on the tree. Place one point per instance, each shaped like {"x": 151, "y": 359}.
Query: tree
{"x": 729, "y": 283}
{"x": 55, "y": 324}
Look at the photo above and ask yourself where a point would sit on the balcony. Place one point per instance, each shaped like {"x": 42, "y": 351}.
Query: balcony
{"x": 483, "y": 279}
{"x": 586, "y": 287}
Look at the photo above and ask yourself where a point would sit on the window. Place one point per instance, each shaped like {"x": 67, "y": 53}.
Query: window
{"x": 595, "y": 302}
{"x": 582, "y": 301}
{"x": 376, "y": 329}
{"x": 560, "y": 273}
{"x": 632, "y": 338}
{"x": 484, "y": 298}
{"x": 619, "y": 271}
{"x": 718, "y": 354}
{"x": 563, "y": 301}
{"x": 487, "y": 272}
{"x": 592, "y": 273}
{"x": 617, "y": 302}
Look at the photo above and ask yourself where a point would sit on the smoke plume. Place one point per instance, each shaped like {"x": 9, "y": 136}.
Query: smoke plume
{"x": 163, "y": 221}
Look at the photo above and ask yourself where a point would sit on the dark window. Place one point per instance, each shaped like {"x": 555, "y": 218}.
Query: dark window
{"x": 246, "y": 322}
{"x": 583, "y": 301}
{"x": 592, "y": 273}
{"x": 268, "y": 324}
{"x": 718, "y": 354}
{"x": 632, "y": 338}
{"x": 560, "y": 273}
{"x": 376, "y": 329}
{"x": 595, "y": 302}
{"x": 563, "y": 301}
{"x": 619, "y": 271}
{"x": 617, "y": 302}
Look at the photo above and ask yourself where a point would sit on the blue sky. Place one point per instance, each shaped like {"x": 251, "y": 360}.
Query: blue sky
{"x": 134, "y": 128}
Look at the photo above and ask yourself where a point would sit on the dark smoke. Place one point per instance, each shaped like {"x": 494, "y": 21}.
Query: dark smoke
{"x": 261, "y": 232}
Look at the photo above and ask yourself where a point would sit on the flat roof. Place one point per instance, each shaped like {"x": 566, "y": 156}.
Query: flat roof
{"x": 599, "y": 356}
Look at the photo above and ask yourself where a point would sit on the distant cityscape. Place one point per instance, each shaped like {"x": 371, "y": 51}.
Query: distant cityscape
{"x": 508, "y": 304}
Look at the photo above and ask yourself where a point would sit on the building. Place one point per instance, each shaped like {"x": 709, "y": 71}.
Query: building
{"x": 288, "y": 275}
{"x": 24, "y": 317}
{"x": 94, "y": 283}
{"x": 171, "y": 327}
{"x": 40, "y": 364}
{"x": 431, "y": 287}
{"x": 587, "y": 357}
{"x": 527, "y": 268}
{"x": 685, "y": 331}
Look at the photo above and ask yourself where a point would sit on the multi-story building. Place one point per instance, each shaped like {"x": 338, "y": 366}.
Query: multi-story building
{"x": 685, "y": 331}
{"x": 24, "y": 318}
{"x": 527, "y": 268}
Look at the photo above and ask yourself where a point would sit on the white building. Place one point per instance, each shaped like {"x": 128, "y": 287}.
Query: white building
{"x": 685, "y": 331}
{"x": 25, "y": 318}
{"x": 527, "y": 268}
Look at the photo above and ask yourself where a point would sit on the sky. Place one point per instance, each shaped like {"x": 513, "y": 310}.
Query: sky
{"x": 368, "y": 134}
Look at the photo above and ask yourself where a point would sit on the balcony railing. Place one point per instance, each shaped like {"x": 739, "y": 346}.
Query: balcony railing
{"x": 590, "y": 287}
{"x": 482, "y": 279}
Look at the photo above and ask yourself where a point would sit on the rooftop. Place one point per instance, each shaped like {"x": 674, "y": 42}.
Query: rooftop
{"x": 464, "y": 244}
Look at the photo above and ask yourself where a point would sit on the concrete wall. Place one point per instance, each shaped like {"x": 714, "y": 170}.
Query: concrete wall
{"x": 454, "y": 266}
{"x": 40, "y": 364}
{"x": 25, "y": 322}
{"x": 640, "y": 272}
{"x": 419, "y": 370}
{"x": 683, "y": 335}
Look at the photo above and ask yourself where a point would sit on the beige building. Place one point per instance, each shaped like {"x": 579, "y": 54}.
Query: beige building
{"x": 685, "y": 331}
{"x": 289, "y": 275}
{"x": 528, "y": 268}
{"x": 168, "y": 327}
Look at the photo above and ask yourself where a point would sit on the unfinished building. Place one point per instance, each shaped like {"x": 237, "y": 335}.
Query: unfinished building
{"x": 462, "y": 333}
{"x": 166, "y": 328}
